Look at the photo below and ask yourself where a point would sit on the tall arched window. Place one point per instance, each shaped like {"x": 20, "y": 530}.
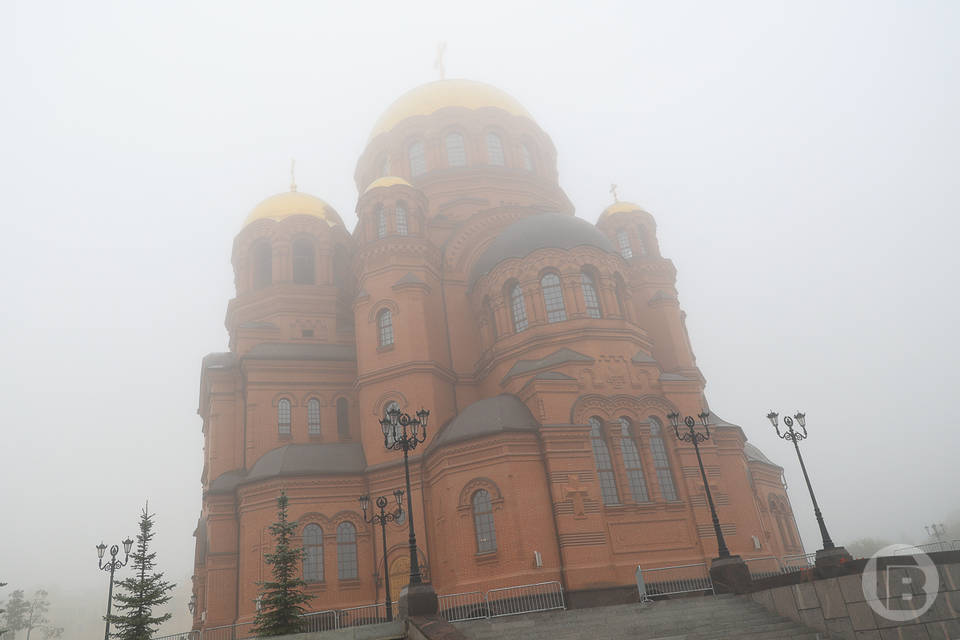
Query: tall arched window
{"x": 621, "y": 294}
{"x": 494, "y": 150}
{"x": 385, "y": 166}
{"x": 553, "y": 298}
{"x": 590, "y": 295}
{"x": 631, "y": 462}
{"x": 313, "y": 553}
{"x": 346, "y": 551}
{"x": 518, "y": 309}
{"x": 642, "y": 241}
{"x": 385, "y": 327}
{"x": 483, "y": 522}
{"x": 623, "y": 241}
{"x": 381, "y": 222}
{"x": 262, "y": 265}
{"x": 343, "y": 418}
{"x": 526, "y": 158}
{"x": 401, "y": 220}
{"x": 418, "y": 161}
{"x": 456, "y": 151}
{"x": 601, "y": 456}
{"x": 304, "y": 271}
{"x": 313, "y": 417}
{"x": 661, "y": 461}
{"x": 283, "y": 416}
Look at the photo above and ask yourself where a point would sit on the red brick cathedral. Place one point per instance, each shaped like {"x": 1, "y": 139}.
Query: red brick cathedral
{"x": 548, "y": 350}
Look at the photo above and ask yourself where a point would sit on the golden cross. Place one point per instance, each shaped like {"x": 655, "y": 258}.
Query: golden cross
{"x": 613, "y": 190}
{"x": 293, "y": 180}
{"x": 438, "y": 63}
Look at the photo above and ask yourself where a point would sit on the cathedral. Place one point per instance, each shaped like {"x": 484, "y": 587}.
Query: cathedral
{"x": 548, "y": 350}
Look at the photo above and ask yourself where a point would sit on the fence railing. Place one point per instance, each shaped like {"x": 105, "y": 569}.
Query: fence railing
{"x": 932, "y": 547}
{"x": 527, "y": 598}
{"x": 470, "y": 605}
{"x": 186, "y": 635}
{"x": 797, "y": 562}
{"x": 681, "y": 578}
{"x": 763, "y": 567}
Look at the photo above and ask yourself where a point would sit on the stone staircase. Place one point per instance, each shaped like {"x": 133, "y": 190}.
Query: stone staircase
{"x": 708, "y": 618}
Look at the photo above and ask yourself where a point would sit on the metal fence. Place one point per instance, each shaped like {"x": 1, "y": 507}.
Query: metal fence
{"x": 319, "y": 621}
{"x": 763, "y": 567}
{"x": 797, "y": 562}
{"x": 240, "y": 631}
{"x": 470, "y": 605}
{"x": 186, "y": 635}
{"x": 931, "y": 547}
{"x": 682, "y": 578}
{"x": 527, "y": 598}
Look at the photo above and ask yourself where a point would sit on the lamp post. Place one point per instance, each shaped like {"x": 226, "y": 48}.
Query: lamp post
{"x": 937, "y": 531}
{"x": 112, "y": 565}
{"x": 829, "y": 548}
{"x": 404, "y": 433}
{"x": 382, "y": 519}
{"x": 693, "y": 436}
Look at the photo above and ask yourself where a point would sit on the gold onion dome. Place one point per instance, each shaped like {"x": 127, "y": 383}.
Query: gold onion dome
{"x": 386, "y": 181}
{"x": 293, "y": 203}
{"x": 620, "y": 207}
{"x": 433, "y": 96}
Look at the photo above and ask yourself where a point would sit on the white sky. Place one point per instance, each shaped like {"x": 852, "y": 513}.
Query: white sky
{"x": 801, "y": 160}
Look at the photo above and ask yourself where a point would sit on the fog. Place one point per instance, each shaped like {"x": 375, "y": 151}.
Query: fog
{"x": 801, "y": 160}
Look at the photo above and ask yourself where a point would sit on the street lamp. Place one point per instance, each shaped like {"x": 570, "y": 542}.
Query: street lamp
{"x": 382, "y": 519}
{"x": 695, "y": 437}
{"x": 112, "y": 565}
{"x": 404, "y": 433}
{"x": 829, "y": 548}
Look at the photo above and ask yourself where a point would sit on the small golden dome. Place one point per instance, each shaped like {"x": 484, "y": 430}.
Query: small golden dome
{"x": 620, "y": 207}
{"x": 433, "y": 96}
{"x": 291, "y": 203}
{"x": 386, "y": 181}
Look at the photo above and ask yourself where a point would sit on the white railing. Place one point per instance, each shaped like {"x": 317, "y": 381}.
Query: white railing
{"x": 763, "y": 567}
{"x": 186, "y": 635}
{"x": 931, "y": 547}
{"x": 682, "y": 578}
{"x": 320, "y": 621}
{"x": 527, "y": 598}
{"x": 470, "y": 605}
{"x": 240, "y": 631}
{"x": 797, "y": 562}
{"x": 358, "y": 616}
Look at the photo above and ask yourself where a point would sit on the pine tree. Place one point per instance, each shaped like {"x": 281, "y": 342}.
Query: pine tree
{"x": 282, "y": 599}
{"x": 139, "y": 594}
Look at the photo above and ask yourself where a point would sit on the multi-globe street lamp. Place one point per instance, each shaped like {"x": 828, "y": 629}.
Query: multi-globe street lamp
{"x": 935, "y": 531}
{"x": 112, "y": 565}
{"x": 382, "y": 519}
{"x": 695, "y": 437}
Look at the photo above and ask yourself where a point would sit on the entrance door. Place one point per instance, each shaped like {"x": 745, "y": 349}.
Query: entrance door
{"x": 399, "y": 574}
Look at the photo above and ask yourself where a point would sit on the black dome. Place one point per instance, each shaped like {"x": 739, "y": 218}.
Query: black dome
{"x": 541, "y": 231}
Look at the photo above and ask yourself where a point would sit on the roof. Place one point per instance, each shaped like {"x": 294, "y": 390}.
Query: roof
{"x": 291, "y": 203}
{"x": 492, "y": 415}
{"x": 620, "y": 207}
{"x": 296, "y": 460}
{"x": 560, "y": 356}
{"x": 433, "y": 96}
{"x": 755, "y": 455}
{"x": 294, "y": 351}
{"x": 540, "y": 231}
{"x": 386, "y": 181}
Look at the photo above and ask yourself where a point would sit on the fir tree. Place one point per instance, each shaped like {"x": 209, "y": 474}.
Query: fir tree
{"x": 282, "y": 599}
{"x": 139, "y": 594}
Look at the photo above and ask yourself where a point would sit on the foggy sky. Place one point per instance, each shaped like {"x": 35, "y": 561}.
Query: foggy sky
{"x": 801, "y": 161}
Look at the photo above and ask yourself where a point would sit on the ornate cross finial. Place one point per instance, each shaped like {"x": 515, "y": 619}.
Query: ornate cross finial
{"x": 438, "y": 63}
{"x": 613, "y": 190}
{"x": 293, "y": 180}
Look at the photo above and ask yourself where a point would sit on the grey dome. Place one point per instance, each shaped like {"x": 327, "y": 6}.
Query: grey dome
{"x": 297, "y": 460}
{"x": 491, "y": 415}
{"x": 541, "y": 231}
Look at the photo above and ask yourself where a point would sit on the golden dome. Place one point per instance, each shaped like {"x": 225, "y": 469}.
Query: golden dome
{"x": 386, "y": 181}
{"x": 433, "y": 96}
{"x": 620, "y": 207}
{"x": 291, "y": 203}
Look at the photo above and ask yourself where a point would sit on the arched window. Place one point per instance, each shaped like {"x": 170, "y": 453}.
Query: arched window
{"x": 313, "y": 553}
{"x": 283, "y": 416}
{"x": 518, "y": 309}
{"x": 661, "y": 461}
{"x": 346, "y": 551}
{"x": 401, "y": 220}
{"x": 526, "y": 158}
{"x": 313, "y": 417}
{"x": 553, "y": 298}
{"x": 631, "y": 462}
{"x": 621, "y": 294}
{"x": 343, "y": 418}
{"x": 385, "y": 166}
{"x": 494, "y": 150}
{"x": 418, "y": 161}
{"x": 623, "y": 241}
{"x": 601, "y": 456}
{"x": 385, "y": 327}
{"x": 304, "y": 271}
{"x": 641, "y": 242}
{"x": 381, "y": 222}
{"x": 262, "y": 265}
{"x": 483, "y": 522}
{"x": 456, "y": 152}
{"x": 590, "y": 295}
